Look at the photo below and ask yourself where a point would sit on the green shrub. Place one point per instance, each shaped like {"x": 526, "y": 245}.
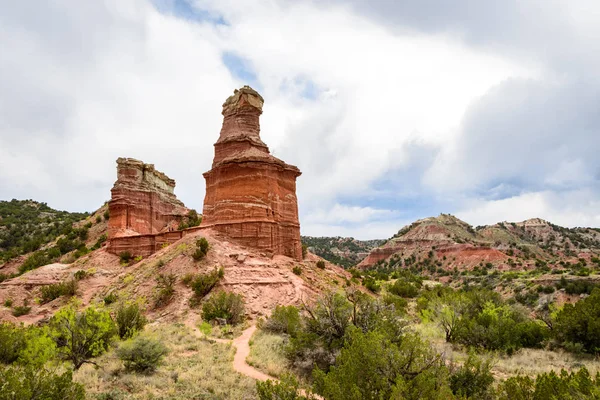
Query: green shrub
{"x": 575, "y": 287}
{"x": 21, "y": 310}
{"x": 297, "y": 270}
{"x": 205, "y": 328}
{"x": 579, "y": 323}
{"x": 110, "y": 298}
{"x": 404, "y": 288}
{"x": 99, "y": 242}
{"x": 370, "y": 366}
{"x": 193, "y": 218}
{"x": 4, "y": 277}
{"x": 31, "y": 382}
{"x": 187, "y": 279}
{"x": 550, "y": 385}
{"x": 227, "y": 306}
{"x": 79, "y": 275}
{"x": 371, "y": 284}
{"x": 56, "y": 290}
{"x": 304, "y": 251}
{"x": 165, "y": 285}
{"x": 473, "y": 380}
{"x": 129, "y": 319}
{"x": 284, "y": 319}
{"x": 398, "y": 302}
{"x": 202, "y": 247}
{"x": 355, "y": 273}
{"x": 12, "y": 342}
{"x": 288, "y": 388}
{"x": 141, "y": 354}
{"x": 202, "y": 284}
{"x": 499, "y": 327}
{"x": 125, "y": 257}
{"x": 8, "y": 303}
{"x": 29, "y": 345}
{"x": 113, "y": 394}
{"x": 321, "y": 264}
{"x": 51, "y": 292}
{"x": 81, "y": 335}
{"x": 34, "y": 261}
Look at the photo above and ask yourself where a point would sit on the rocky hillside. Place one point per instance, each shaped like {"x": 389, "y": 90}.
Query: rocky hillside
{"x": 25, "y": 225}
{"x": 445, "y": 242}
{"x": 33, "y": 234}
{"x": 101, "y": 277}
{"x": 343, "y": 251}
{"x": 75, "y": 257}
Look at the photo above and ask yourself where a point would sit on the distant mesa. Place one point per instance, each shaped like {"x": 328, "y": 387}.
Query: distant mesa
{"x": 250, "y": 194}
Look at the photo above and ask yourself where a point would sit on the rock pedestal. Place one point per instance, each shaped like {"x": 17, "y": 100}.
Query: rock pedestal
{"x": 251, "y": 195}
{"x": 142, "y": 201}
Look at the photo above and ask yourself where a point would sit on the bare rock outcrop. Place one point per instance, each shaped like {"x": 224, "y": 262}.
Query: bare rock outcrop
{"x": 142, "y": 201}
{"x": 250, "y": 194}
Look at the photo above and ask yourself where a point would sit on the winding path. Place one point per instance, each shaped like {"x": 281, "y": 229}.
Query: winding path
{"x": 242, "y": 351}
{"x": 242, "y": 346}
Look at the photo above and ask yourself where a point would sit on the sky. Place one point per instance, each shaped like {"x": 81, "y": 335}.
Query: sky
{"x": 393, "y": 110}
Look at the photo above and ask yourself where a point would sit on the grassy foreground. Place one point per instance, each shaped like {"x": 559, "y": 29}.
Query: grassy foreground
{"x": 193, "y": 369}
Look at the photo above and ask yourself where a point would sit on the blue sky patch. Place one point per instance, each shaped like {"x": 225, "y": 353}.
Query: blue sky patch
{"x": 240, "y": 69}
{"x": 185, "y": 10}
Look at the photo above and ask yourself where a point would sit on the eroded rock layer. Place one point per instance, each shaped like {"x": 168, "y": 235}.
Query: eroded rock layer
{"x": 142, "y": 201}
{"x": 251, "y": 195}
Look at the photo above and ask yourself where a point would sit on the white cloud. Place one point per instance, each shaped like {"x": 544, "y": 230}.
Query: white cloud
{"x": 82, "y": 83}
{"x": 122, "y": 80}
{"x": 389, "y": 88}
{"x": 366, "y": 231}
{"x": 570, "y": 208}
{"x": 353, "y": 214}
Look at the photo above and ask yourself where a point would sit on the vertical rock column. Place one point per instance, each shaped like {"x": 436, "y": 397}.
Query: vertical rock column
{"x": 142, "y": 201}
{"x": 251, "y": 195}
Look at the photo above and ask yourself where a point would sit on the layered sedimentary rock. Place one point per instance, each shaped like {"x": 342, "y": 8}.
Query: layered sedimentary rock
{"x": 142, "y": 201}
{"x": 251, "y": 195}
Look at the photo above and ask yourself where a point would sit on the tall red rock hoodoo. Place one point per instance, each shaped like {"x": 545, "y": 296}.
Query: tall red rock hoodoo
{"x": 142, "y": 201}
{"x": 251, "y": 195}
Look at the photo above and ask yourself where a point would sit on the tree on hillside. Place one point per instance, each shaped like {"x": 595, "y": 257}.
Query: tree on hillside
{"x": 370, "y": 366}
{"x": 448, "y": 310}
{"x": 82, "y": 335}
{"x": 579, "y": 323}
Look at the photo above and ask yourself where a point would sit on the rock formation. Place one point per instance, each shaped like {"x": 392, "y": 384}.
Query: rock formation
{"x": 251, "y": 195}
{"x": 142, "y": 201}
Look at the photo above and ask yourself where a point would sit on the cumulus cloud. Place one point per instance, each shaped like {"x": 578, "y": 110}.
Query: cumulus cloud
{"x": 532, "y": 134}
{"x": 570, "y": 208}
{"x": 82, "y": 84}
{"x": 392, "y": 110}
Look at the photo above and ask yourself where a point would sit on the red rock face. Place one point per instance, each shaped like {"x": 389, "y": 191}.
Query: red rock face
{"x": 142, "y": 201}
{"x": 251, "y": 195}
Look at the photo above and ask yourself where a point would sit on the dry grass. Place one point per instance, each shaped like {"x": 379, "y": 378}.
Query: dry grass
{"x": 536, "y": 361}
{"x": 228, "y": 332}
{"x": 529, "y": 362}
{"x": 194, "y": 369}
{"x": 266, "y": 353}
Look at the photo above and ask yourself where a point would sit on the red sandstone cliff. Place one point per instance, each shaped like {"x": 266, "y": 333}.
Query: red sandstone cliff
{"x": 251, "y": 195}
{"x": 445, "y": 237}
{"x": 142, "y": 201}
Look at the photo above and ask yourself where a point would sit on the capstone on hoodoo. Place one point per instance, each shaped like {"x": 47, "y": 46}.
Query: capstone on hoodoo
{"x": 250, "y": 194}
